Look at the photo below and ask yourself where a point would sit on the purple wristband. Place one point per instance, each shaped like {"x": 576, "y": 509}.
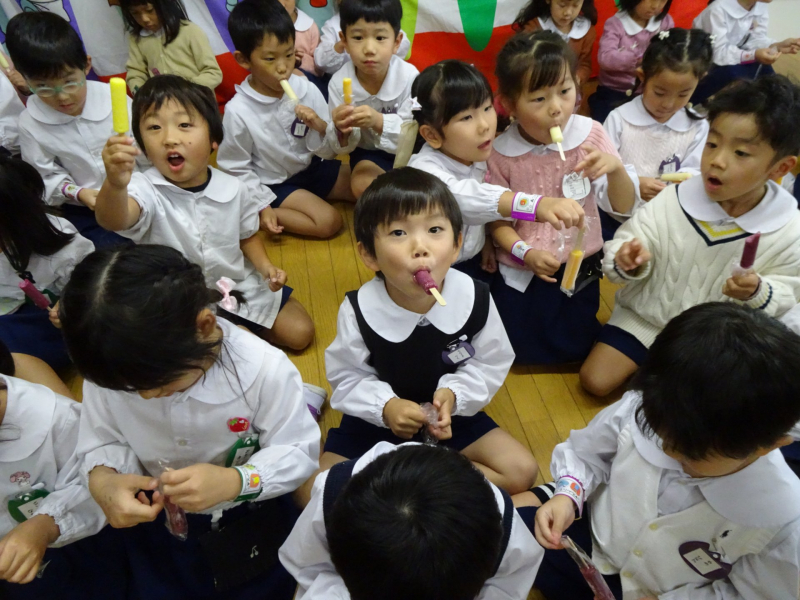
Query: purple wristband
{"x": 524, "y": 206}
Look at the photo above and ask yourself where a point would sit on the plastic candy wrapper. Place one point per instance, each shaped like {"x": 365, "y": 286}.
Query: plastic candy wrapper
{"x": 432, "y": 417}
{"x": 176, "y": 521}
{"x": 405, "y": 145}
{"x": 590, "y": 573}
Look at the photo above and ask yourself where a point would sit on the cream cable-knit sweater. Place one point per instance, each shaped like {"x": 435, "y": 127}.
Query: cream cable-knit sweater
{"x": 685, "y": 271}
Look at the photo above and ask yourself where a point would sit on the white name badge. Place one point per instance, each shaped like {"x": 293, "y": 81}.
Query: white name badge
{"x": 576, "y": 187}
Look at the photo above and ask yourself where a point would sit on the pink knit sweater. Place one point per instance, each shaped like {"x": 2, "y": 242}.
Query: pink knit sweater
{"x": 544, "y": 174}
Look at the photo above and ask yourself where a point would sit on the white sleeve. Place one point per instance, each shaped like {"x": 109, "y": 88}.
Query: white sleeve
{"x": 778, "y": 564}
{"x": 588, "y": 453}
{"x": 53, "y": 174}
{"x": 78, "y": 249}
{"x": 726, "y": 51}
{"x": 325, "y": 57}
{"x": 70, "y": 504}
{"x": 392, "y": 124}
{"x": 336, "y": 98}
{"x": 476, "y": 381}
{"x": 316, "y": 142}
{"x": 288, "y": 435}
{"x": 759, "y": 37}
{"x": 100, "y": 442}
{"x": 235, "y": 156}
{"x": 694, "y": 154}
{"x": 600, "y": 190}
{"x": 357, "y": 391}
{"x": 613, "y": 127}
{"x": 521, "y": 561}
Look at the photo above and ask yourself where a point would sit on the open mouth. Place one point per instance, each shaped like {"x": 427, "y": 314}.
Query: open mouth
{"x": 713, "y": 183}
{"x": 485, "y": 145}
{"x": 175, "y": 161}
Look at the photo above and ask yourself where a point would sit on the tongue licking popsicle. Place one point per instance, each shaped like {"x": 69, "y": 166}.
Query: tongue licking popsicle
{"x": 37, "y": 297}
{"x": 119, "y": 104}
{"x": 423, "y": 279}
{"x": 558, "y": 137}
{"x": 288, "y": 90}
{"x": 347, "y": 89}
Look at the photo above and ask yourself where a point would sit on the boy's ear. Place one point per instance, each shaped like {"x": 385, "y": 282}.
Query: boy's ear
{"x": 88, "y": 64}
{"x": 430, "y": 135}
{"x": 242, "y": 60}
{"x": 640, "y": 73}
{"x": 206, "y": 323}
{"x": 782, "y": 167}
{"x": 397, "y": 42}
{"x": 343, "y": 39}
{"x": 369, "y": 261}
{"x": 457, "y": 248}
{"x": 784, "y": 441}
{"x": 214, "y": 147}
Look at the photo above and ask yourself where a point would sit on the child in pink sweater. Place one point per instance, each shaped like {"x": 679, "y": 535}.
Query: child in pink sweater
{"x": 536, "y": 76}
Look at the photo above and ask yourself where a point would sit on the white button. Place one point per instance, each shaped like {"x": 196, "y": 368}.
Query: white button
{"x": 638, "y": 552}
{"x": 182, "y": 442}
{"x": 627, "y": 574}
{"x": 653, "y": 526}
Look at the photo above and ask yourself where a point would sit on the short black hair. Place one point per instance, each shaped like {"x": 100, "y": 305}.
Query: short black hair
{"x": 774, "y": 102}
{"x": 400, "y": 193}
{"x": 129, "y": 317}
{"x": 7, "y": 366}
{"x": 541, "y": 8}
{"x": 629, "y": 5}
{"x": 252, "y": 20}
{"x": 681, "y": 51}
{"x": 157, "y": 90}
{"x": 445, "y": 89}
{"x": 418, "y": 522}
{"x": 171, "y": 15}
{"x": 720, "y": 380}
{"x": 539, "y": 59}
{"x": 43, "y": 45}
{"x": 372, "y": 11}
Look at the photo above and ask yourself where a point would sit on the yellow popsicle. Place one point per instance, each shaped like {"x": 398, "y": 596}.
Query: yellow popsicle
{"x": 347, "y": 88}
{"x": 3, "y": 61}
{"x": 571, "y": 270}
{"x": 119, "y": 104}
{"x": 288, "y": 90}
{"x": 675, "y": 177}
{"x": 558, "y": 137}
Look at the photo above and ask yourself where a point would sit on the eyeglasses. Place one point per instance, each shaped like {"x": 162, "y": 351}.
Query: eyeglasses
{"x": 50, "y": 92}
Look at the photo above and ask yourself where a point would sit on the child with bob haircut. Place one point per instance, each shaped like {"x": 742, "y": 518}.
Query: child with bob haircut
{"x": 440, "y": 514}
{"x": 184, "y": 203}
{"x": 67, "y": 119}
{"x": 162, "y": 41}
{"x": 274, "y": 144}
{"x": 679, "y": 249}
{"x": 681, "y": 485}
{"x": 190, "y": 407}
{"x": 396, "y": 348}
{"x": 369, "y": 127}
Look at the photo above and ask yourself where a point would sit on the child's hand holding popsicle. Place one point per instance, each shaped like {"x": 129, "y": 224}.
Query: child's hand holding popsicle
{"x": 310, "y": 118}
{"x": 119, "y": 154}
{"x": 560, "y": 210}
{"x": 444, "y": 400}
{"x": 403, "y": 417}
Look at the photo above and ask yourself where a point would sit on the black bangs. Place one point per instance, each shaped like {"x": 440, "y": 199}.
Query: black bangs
{"x": 542, "y": 59}
{"x": 446, "y": 89}
{"x": 552, "y": 67}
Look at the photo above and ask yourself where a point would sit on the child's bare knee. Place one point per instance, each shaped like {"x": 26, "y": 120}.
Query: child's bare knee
{"x": 521, "y": 473}
{"x": 302, "y": 334}
{"x": 330, "y": 227}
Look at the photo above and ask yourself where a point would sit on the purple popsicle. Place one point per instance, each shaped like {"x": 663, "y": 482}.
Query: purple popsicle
{"x": 37, "y": 297}
{"x": 749, "y": 252}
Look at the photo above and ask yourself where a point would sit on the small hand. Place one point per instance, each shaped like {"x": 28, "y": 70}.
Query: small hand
{"x": 341, "y": 116}
{"x": 403, "y": 417}
{"x": 22, "y": 548}
{"x": 596, "y": 164}
{"x": 310, "y": 118}
{"x": 298, "y": 53}
{"x": 119, "y": 158}
{"x": 789, "y": 46}
{"x": 741, "y": 287}
{"x": 649, "y": 187}
{"x": 552, "y": 519}
{"x": 444, "y": 400}
{"x": 268, "y": 221}
{"x": 276, "y": 277}
{"x": 767, "y": 56}
{"x": 488, "y": 256}
{"x": 560, "y": 210}
{"x": 53, "y": 315}
{"x": 88, "y": 197}
{"x": 122, "y": 499}
{"x": 543, "y": 264}
{"x": 366, "y": 117}
{"x": 16, "y": 78}
{"x": 631, "y": 255}
{"x": 201, "y": 486}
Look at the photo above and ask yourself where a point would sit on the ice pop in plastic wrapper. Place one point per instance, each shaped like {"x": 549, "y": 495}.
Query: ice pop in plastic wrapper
{"x": 119, "y": 104}
{"x": 176, "y": 522}
{"x": 573, "y": 266}
{"x": 347, "y": 89}
{"x": 3, "y": 61}
{"x": 675, "y": 177}
{"x": 558, "y": 137}
{"x": 432, "y": 417}
{"x": 37, "y": 297}
{"x": 288, "y": 90}
{"x": 424, "y": 280}
{"x": 590, "y": 573}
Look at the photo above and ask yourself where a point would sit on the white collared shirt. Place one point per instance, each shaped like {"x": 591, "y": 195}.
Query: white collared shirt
{"x": 357, "y": 391}
{"x": 265, "y": 143}
{"x": 250, "y": 380}
{"x": 306, "y": 556}
{"x": 393, "y": 100}
{"x": 207, "y": 227}
{"x": 755, "y": 498}
{"x": 477, "y": 200}
{"x": 631, "y": 27}
{"x": 10, "y": 109}
{"x": 330, "y": 61}
{"x": 43, "y": 456}
{"x": 49, "y": 272}
{"x": 737, "y": 32}
{"x": 67, "y": 149}
{"x": 580, "y": 27}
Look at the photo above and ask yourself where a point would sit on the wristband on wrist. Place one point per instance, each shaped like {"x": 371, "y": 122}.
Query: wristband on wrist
{"x": 573, "y": 489}
{"x": 748, "y": 56}
{"x": 524, "y": 206}
{"x": 251, "y": 483}
{"x": 519, "y": 250}
{"x": 71, "y": 190}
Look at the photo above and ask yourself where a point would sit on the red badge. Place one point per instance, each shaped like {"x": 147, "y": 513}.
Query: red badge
{"x": 238, "y": 425}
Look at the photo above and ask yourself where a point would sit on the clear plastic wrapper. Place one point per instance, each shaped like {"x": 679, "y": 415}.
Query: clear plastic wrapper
{"x": 590, "y": 573}
{"x": 176, "y": 521}
{"x": 432, "y": 417}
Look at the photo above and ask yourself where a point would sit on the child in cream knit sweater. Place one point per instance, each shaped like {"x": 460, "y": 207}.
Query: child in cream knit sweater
{"x": 679, "y": 249}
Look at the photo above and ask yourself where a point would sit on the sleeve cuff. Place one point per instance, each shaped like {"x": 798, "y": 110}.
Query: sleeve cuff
{"x": 641, "y": 273}
{"x": 763, "y": 296}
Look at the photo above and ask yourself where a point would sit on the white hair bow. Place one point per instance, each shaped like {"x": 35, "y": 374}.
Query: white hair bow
{"x": 663, "y": 35}
{"x": 415, "y": 105}
{"x": 225, "y": 285}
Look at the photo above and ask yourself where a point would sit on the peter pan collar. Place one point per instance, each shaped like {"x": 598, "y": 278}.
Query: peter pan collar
{"x": 148, "y": 33}
{"x": 452, "y": 166}
{"x": 240, "y": 362}
{"x": 777, "y": 208}
{"x": 303, "y": 22}
{"x": 221, "y": 187}
{"x": 631, "y": 27}
{"x": 393, "y": 85}
{"x": 737, "y": 11}
{"x": 636, "y": 114}
{"x": 395, "y": 324}
{"x": 511, "y": 143}
{"x": 298, "y": 84}
{"x": 31, "y": 408}
{"x": 580, "y": 27}
{"x": 97, "y": 107}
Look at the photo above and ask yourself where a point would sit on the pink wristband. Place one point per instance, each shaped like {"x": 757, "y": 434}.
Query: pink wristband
{"x": 519, "y": 250}
{"x": 71, "y": 190}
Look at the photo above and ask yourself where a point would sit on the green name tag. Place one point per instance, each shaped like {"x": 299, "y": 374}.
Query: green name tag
{"x": 22, "y": 506}
{"x": 242, "y": 450}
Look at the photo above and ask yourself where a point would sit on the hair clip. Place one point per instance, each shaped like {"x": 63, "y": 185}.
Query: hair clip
{"x": 225, "y": 285}
{"x": 415, "y": 106}
{"x": 663, "y": 35}
{"x": 713, "y": 38}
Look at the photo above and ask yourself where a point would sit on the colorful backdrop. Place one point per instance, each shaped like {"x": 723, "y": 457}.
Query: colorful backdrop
{"x": 472, "y": 30}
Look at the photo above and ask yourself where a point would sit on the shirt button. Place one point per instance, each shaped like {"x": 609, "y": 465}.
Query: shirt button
{"x": 627, "y": 574}
{"x": 638, "y": 553}
{"x": 653, "y": 526}
{"x": 182, "y": 442}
